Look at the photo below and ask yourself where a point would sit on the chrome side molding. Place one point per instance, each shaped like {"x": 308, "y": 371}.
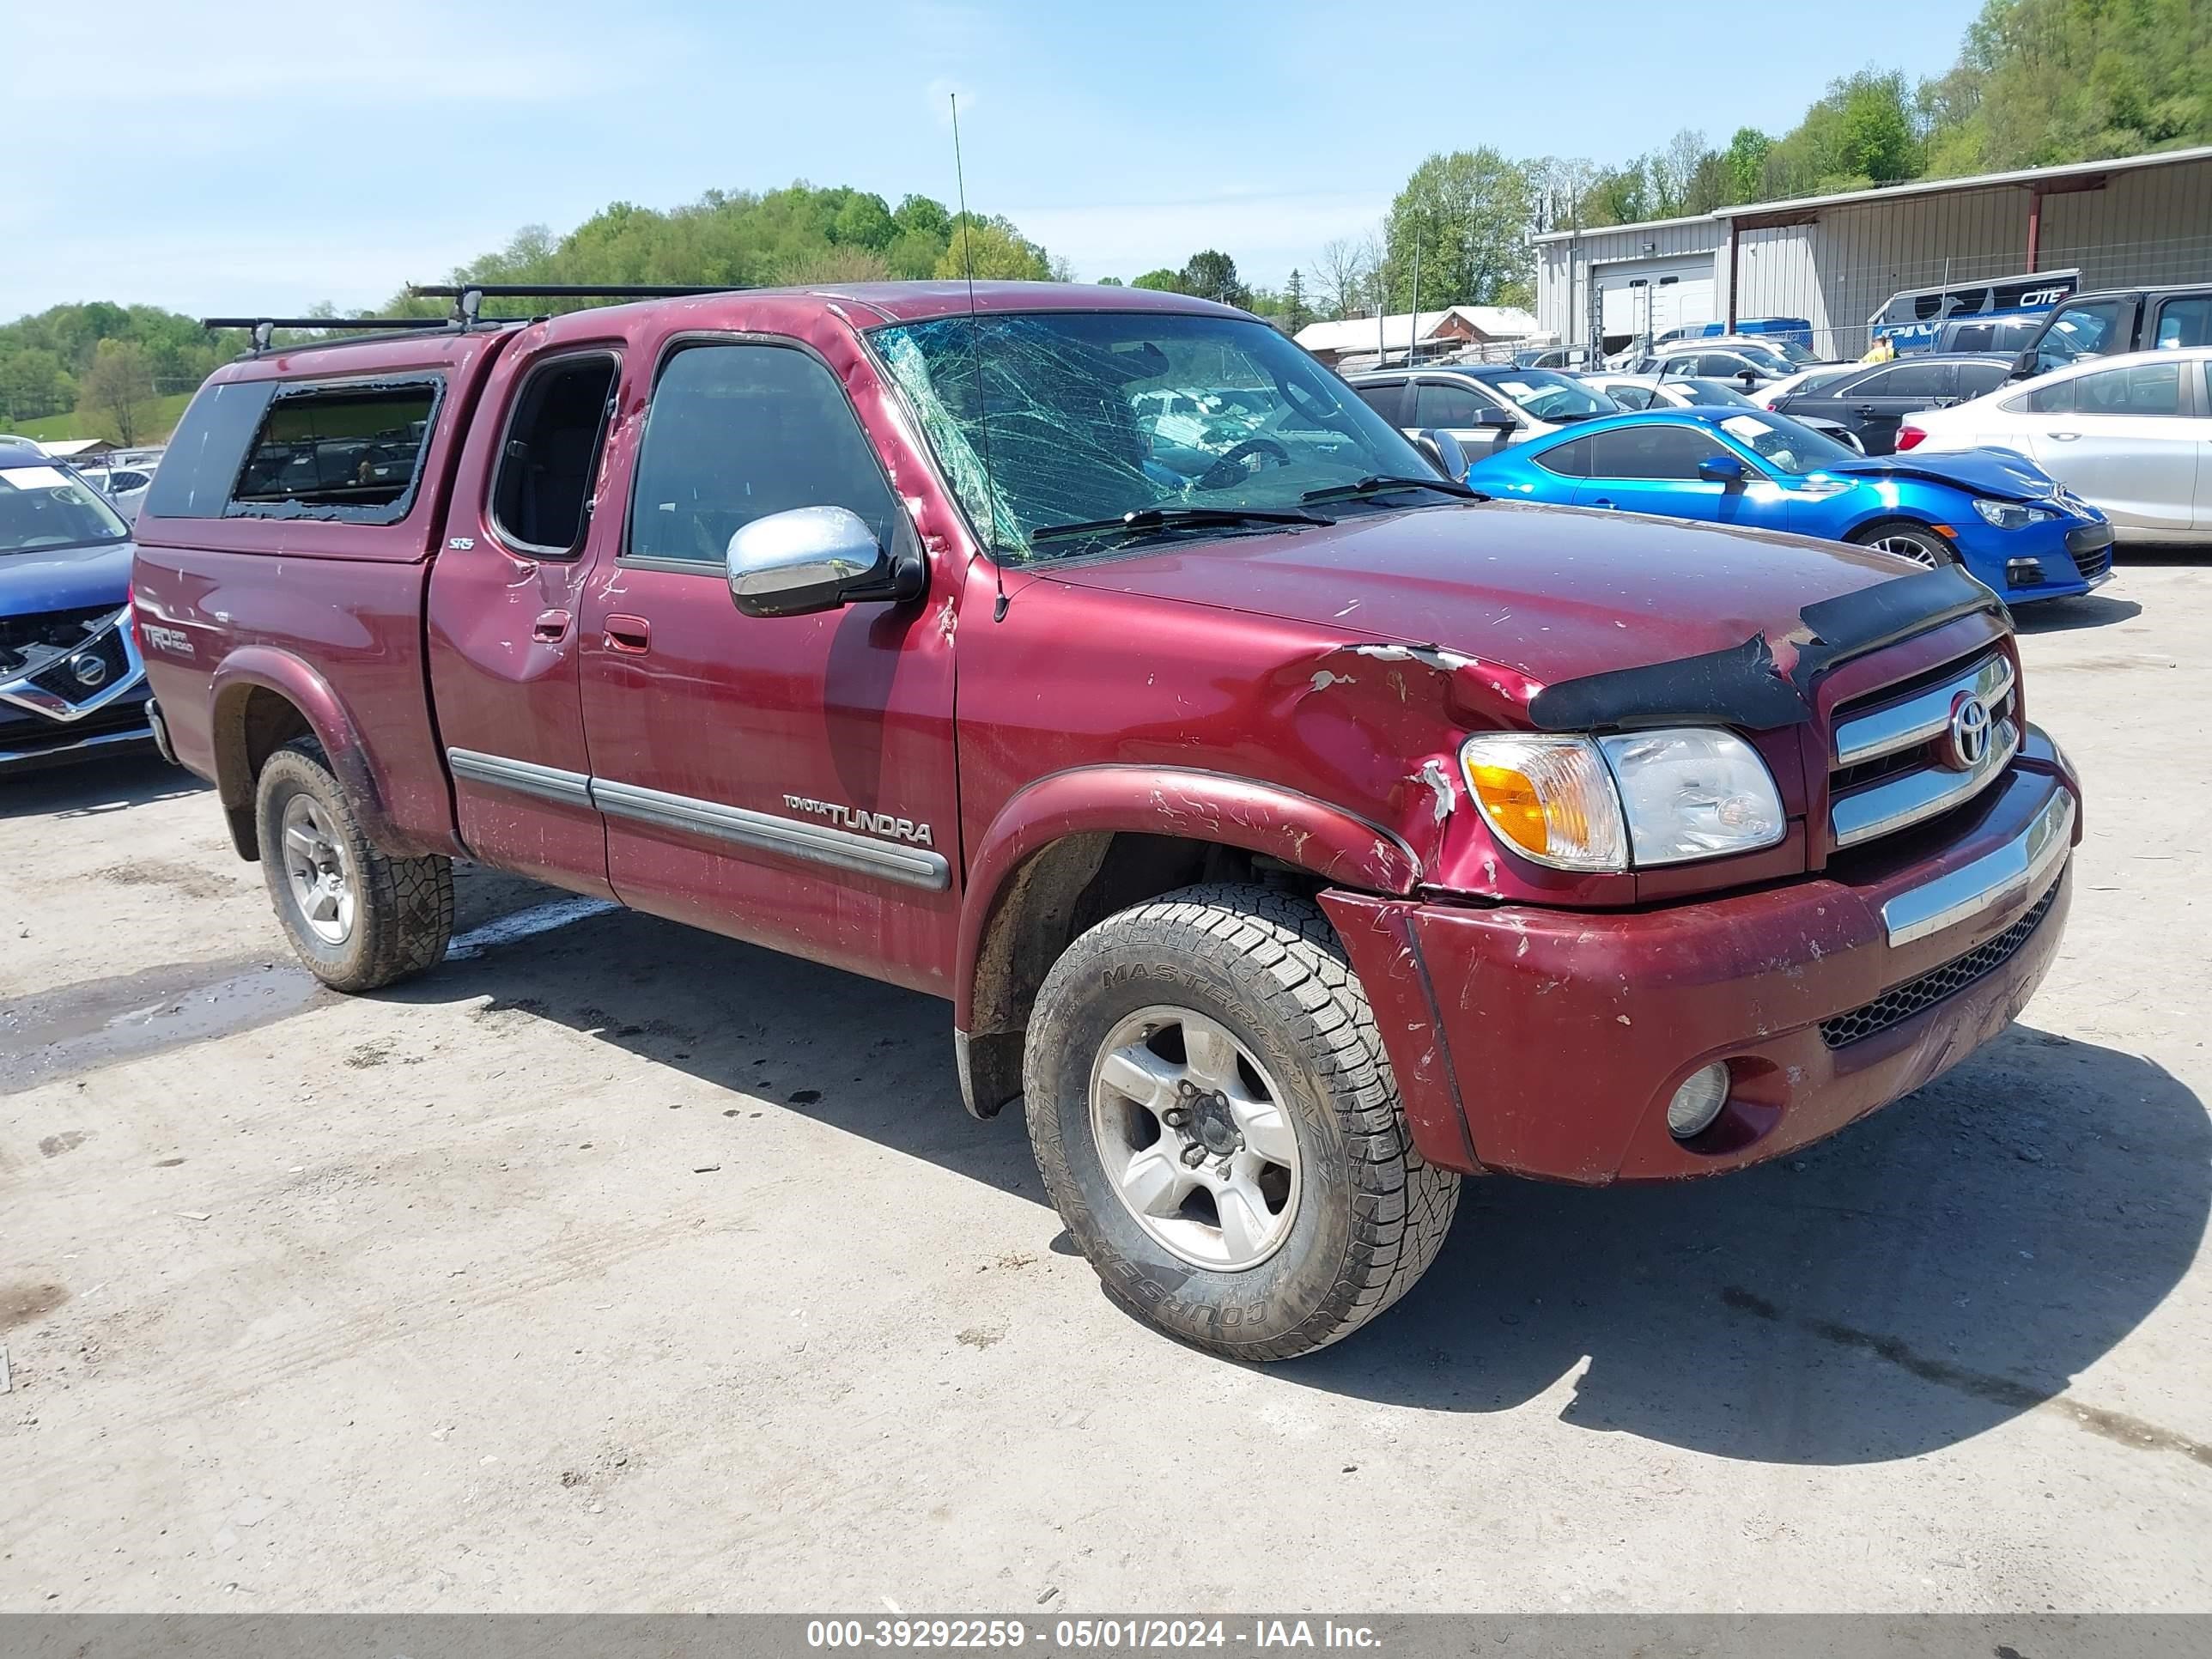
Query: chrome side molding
{"x": 2017, "y": 869}
{"x": 909, "y": 866}
{"x": 524, "y": 777}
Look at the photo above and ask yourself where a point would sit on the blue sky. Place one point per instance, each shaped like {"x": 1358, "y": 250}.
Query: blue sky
{"x": 187, "y": 155}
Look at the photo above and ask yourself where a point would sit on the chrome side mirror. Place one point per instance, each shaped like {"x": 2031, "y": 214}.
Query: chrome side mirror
{"x": 808, "y": 559}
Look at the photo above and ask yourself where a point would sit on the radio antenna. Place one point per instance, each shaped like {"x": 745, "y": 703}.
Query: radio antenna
{"x": 975, "y": 365}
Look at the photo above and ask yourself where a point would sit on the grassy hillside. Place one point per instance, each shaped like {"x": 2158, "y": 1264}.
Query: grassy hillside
{"x": 166, "y": 413}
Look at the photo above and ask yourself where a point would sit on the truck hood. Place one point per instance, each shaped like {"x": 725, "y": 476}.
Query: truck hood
{"x": 64, "y": 579}
{"x": 2003, "y": 473}
{"x": 1554, "y": 593}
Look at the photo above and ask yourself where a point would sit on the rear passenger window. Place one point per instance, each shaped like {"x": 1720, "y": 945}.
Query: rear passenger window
{"x": 1570, "y": 460}
{"x": 1436, "y": 404}
{"x": 1979, "y": 379}
{"x": 2183, "y": 323}
{"x": 2150, "y": 389}
{"x": 1383, "y": 398}
{"x": 551, "y": 454}
{"x": 348, "y": 452}
{"x": 738, "y": 432}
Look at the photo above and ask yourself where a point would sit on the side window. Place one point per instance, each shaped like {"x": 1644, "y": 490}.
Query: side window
{"x": 1650, "y": 451}
{"x": 1384, "y": 398}
{"x": 550, "y": 455}
{"x": 1721, "y": 366}
{"x": 1911, "y": 379}
{"x": 1437, "y": 403}
{"x": 1972, "y": 336}
{"x": 2182, "y": 323}
{"x": 1570, "y": 460}
{"x": 2147, "y": 389}
{"x": 1979, "y": 379}
{"x": 351, "y": 453}
{"x": 2084, "y": 330}
{"x": 1631, "y": 397}
{"x": 738, "y": 432}
{"x": 2056, "y": 398}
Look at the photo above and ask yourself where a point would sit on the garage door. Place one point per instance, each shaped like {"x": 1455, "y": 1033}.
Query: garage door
{"x": 1651, "y": 296}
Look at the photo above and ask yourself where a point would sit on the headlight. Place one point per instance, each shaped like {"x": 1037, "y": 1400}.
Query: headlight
{"x": 1550, "y": 797}
{"x": 1693, "y": 793}
{"x": 1646, "y": 798}
{"x": 2010, "y": 515}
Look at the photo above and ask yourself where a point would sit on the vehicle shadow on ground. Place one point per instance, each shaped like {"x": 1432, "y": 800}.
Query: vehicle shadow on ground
{"x": 2060, "y": 616}
{"x": 1950, "y": 1263}
{"x": 91, "y": 789}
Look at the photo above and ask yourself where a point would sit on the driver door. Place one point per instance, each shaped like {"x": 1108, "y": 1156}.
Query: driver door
{"x": 1482, "y": 424}
{"x": 1654, "y": 469}
{"x": 789, "y": 781}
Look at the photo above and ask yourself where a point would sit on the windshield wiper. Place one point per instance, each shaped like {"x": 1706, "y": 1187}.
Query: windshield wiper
{"x": 1383, "y": 486}
{"x": 1149, "y": 519}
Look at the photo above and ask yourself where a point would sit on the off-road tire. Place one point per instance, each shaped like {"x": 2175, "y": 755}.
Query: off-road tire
{"x": 1371, "y": 1215}
{"x": 402, "y": 907}
{"x": 1939, "y": 553}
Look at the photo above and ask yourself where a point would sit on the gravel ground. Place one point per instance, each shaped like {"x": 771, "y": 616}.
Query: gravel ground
{"x": 619, "y": 1267}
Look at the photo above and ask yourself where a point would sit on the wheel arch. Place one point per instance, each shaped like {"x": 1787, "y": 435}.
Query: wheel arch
{"x": 262, "y": 698}
{"x": 1073, "y": 847}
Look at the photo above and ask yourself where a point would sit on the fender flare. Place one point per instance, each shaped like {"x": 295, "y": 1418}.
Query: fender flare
{"x": 268, "y": 668}
{"x": 1312, "y": 835}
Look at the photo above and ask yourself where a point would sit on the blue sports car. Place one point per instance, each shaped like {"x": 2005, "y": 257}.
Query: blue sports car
{"x": 2014, "y": 528}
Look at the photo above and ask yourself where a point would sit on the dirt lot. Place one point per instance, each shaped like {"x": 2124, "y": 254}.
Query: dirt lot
{"x": 619, "y": 1267}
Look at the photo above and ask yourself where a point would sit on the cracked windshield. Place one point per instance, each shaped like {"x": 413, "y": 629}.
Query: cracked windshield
{"x": 1089, "y": 417}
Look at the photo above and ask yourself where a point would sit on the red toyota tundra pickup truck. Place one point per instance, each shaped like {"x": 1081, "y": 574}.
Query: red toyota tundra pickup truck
{"x": 1292, "y": 831}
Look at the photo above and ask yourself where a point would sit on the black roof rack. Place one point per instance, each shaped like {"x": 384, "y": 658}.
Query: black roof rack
{"x": 263, "y": 327}
{"x": 469, "y": 297}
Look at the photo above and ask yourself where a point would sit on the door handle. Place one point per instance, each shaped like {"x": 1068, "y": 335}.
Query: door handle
{"x": 1866, "y": 411}
{"x": 630, "y": 634}
{"x": 551, "y": 627}
{"x": 2065, "y": 437}
{"x": 1601, "y": 501}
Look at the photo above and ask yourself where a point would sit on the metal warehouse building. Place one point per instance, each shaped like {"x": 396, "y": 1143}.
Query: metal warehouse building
{"x": 1835, "y": 260}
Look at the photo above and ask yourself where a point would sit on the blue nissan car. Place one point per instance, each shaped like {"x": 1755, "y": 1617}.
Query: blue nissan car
{"x": 2014, "y": 528}
{"x": 71, "y": 680}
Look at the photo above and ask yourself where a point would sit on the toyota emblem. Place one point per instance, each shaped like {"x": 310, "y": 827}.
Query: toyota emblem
{"x": 88, "y": 669}
{"x": 1969, "y": 734}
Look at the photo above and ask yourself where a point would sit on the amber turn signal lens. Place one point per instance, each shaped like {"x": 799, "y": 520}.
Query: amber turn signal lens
{"x": 1550, "y": 798}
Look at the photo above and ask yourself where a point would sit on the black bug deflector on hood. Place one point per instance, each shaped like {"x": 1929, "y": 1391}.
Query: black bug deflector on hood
{"x": 1744, "y": 685}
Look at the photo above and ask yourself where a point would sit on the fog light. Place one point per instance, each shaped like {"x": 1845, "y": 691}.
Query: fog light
{"x": 1698, "y": 1102}
{"x": 2024, "y": 573}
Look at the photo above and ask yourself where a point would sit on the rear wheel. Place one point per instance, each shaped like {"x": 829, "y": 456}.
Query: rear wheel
{"x": 1217, "y": 1124}
{"x": 1908, "y": 541}
{"x": 358, "y": 919}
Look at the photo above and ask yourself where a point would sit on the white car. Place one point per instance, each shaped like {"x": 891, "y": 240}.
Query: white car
{"x": 2130, "y": 435}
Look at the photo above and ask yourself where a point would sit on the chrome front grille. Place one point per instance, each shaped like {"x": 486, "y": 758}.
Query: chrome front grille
{"x": 1895, "y": 760}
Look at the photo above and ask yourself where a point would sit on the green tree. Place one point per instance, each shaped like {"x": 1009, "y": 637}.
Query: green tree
{"x": 1469, "y": 212}
{"x": 1162, "y": 280}
{"x": 1211, "y": 275}
{"x": 997, "y": 250}
{"x": 1744, "y": 160}
{"x": 33, "y": 385}
{"x": 1295, "y": 312}
{"x": 116, "y": 394}
{"x": 863, "y": 221}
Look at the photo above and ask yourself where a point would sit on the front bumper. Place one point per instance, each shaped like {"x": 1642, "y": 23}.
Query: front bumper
{"x": 53, "y": 716}
{"x": 2055, "y": 560}
{"x": 1548, "y": 1042}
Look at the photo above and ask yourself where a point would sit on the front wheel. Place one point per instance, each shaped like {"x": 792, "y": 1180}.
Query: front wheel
{"x": 358, "y": 919}
{"x": 1908, "y": 541}
{"x": 1217, "y": 1123}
